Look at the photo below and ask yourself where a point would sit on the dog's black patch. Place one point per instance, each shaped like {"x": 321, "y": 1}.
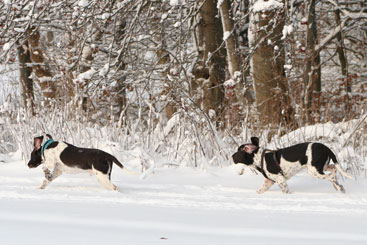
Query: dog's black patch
{"x": 321, "y": 155}
{"x": 86, "y": 158}
{"x": 280, "y": 165}
{"x": 62, "y": 157}
{"x": 52, "y": 145}
{"x": 294, "y": 153}
{"x": 272, "y": 160}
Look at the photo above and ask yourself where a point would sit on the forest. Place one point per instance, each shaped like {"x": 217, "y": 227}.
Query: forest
{"x": 183, "y": 78}
{"x": 171, "y": 89}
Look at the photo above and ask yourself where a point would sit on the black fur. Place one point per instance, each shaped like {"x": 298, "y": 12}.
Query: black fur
{"x": 320, "y": 155}
{"x": 86, "y": 158}
{"x": 36, "y": 158}
{"x": 64, "y": 157}
{"x": 280, "y": 165}
{"x": 75, "y": 157}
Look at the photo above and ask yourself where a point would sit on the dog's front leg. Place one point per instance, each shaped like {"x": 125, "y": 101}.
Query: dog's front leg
{"x": 47, "y": 172}
{"x": 282, "y": 182}
{"x": 267, "y": 184}
{"x": 50, "y": 176}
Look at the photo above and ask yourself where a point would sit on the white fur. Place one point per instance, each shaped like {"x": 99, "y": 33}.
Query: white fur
{"x": 52, "y": 160}
{"x": 104, "y": 180}
{"x": 289, "y": 169}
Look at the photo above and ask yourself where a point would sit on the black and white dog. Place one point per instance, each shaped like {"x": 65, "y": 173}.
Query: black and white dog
{"x": 280, "y": 165}
{"x": 62, "y": 157}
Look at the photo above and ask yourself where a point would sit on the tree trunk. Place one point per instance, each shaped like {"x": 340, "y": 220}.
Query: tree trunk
{"x": 119, "y": 102}
{"x": 40, "y": 67}
{"x": 233, "y": 59}
{"x": 26, "y": 82}
{"x": 210, "y": 71}
{"x": 267, "y": 70}
{"x": 312, "y": 73}
{"x": 342, "y": 57}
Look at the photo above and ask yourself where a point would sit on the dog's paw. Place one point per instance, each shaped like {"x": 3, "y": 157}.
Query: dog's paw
{"x": 44, "y": 184}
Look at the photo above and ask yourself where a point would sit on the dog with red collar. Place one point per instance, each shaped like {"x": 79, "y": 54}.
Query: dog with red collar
{"x": 277, "y": 166}
{"x": 60, "y": 157}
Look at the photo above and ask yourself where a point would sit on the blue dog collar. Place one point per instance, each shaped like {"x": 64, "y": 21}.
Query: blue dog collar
{"x": 45, "y": 145}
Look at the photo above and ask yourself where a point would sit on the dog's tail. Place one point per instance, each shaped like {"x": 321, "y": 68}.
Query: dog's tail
{"x": 345, "y": 174}
{"x": 118, "y": 163}
{"x": 337, "y": 165}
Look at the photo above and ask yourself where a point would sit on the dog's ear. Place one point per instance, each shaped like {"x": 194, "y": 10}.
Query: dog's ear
{"x": 249, "y": 148}
{"x": 49, "y": 136}
{"x": 255, "y": 141}
{"x": 37, "y": 142}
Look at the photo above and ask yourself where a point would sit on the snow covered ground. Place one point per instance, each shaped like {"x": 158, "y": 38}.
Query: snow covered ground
{"x": 176, "y": 206}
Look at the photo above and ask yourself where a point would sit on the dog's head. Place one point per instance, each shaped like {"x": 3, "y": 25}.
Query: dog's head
{"x": 245, "y": 153}
{"x": 36, "y": 154}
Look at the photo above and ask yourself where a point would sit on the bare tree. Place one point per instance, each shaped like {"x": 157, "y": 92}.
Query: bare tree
{"x": 39, "y": 66}
{"x": 146, "y": 60}
{"x": 312, "y": 73}
{"x": 233, "y": 59}
{"x": 210, "y": 69}
{"x": 26, "y": 82}
{"x": 267, "y": 65}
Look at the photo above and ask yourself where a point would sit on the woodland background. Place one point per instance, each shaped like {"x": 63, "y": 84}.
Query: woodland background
{"x": 190, "y": 79}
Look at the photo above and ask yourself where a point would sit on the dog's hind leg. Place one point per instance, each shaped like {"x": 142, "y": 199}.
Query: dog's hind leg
{"x": 49, "y": 177}
{"x": 330, "y": 177}
{"x": 267, "y": 184}
{"x": 104, "y": 179}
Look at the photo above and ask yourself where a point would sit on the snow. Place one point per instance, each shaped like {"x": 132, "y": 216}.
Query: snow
{"x": 263, "y": 5}
{"x": 219, "y": 3}
{"x": 176, "y": 206}
{"x": 19, "y": 29}
{"x": 105, "y": 16}
{"x": 237, "y": 74}
{"x": 212, "y": 113}
{"x": 174, "y": 3}
{"x": 150, "y": 55}
{"x": 83, "y": 3}
{"x": 229, "y": 83}
{"x": 6, "y": 46}
{"x": 7, "y": 89}
{"x": 86, "y": 75}
{"x": 288, "y": 67}
{"x": 164, "y": 16}
{"x": 287, "y": 30}
{"x": 103, "y": 72}
{"x": 226, "y": 35}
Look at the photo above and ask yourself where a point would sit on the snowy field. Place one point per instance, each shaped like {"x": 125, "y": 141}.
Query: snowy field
{"x": 177, "y": 206}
